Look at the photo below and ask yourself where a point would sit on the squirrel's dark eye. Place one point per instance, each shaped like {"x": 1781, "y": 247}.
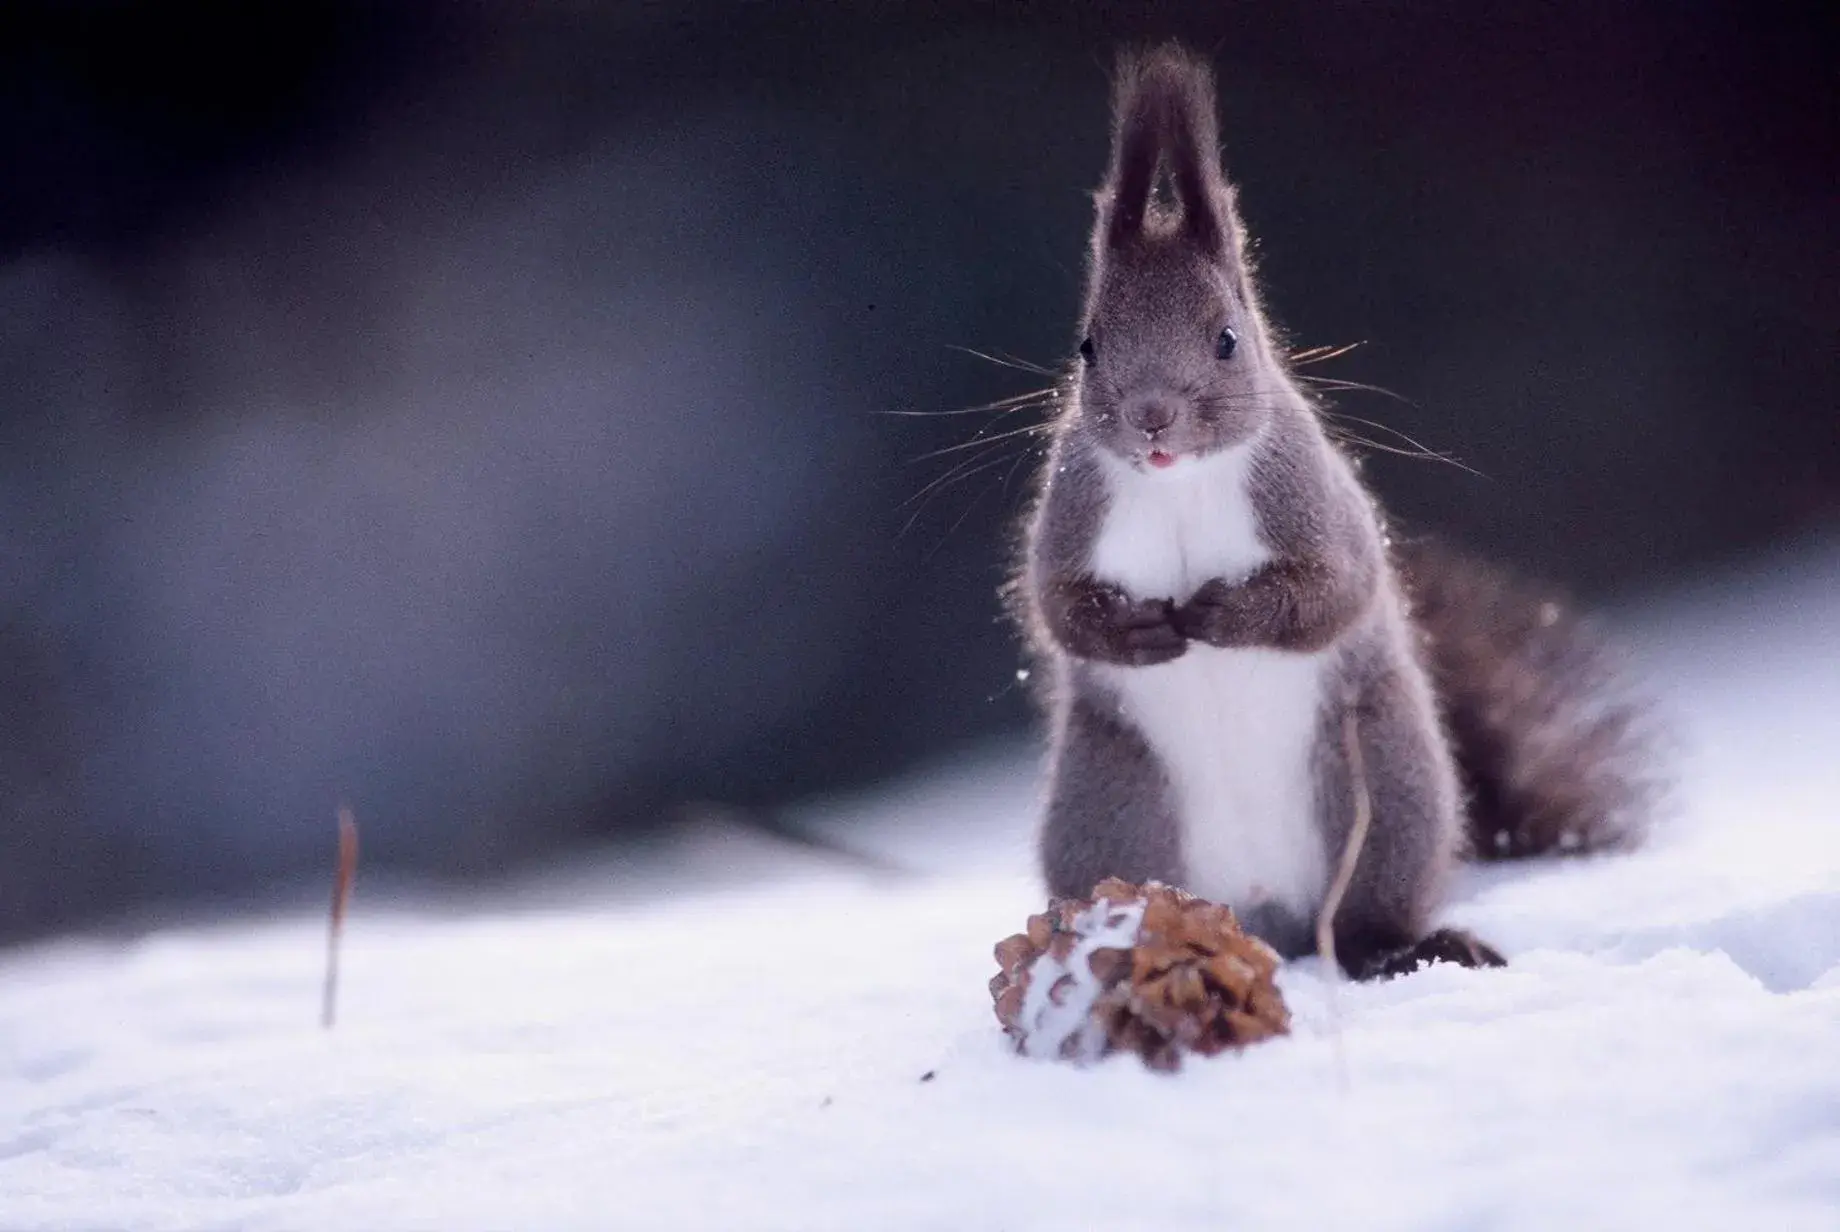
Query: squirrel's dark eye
{"x": 1088, "y": 351}
{"x": 1226, "y": 344}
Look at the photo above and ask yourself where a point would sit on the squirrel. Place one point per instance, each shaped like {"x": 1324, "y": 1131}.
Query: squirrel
{"x": 1211, "y": 588}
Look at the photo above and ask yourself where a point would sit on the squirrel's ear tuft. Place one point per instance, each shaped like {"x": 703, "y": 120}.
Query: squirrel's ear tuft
{"x": 1163, "y": 118}
{"x": 1138, "y": 126}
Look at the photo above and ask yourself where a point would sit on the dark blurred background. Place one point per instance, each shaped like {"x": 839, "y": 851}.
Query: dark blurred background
{"x": 478, "y": 413}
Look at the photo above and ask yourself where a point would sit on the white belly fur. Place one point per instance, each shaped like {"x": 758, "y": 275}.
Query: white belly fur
{"x": 1233, "y": 728}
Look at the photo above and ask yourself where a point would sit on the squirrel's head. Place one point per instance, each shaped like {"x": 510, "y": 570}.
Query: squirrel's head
{"x": 1175, "y": 360}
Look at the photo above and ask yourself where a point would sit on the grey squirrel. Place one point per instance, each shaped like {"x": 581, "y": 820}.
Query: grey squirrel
{"x": 1210, "y": 587}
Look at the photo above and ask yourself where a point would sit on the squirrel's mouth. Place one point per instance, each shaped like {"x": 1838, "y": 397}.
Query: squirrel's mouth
{"x": 1161, "y": 459}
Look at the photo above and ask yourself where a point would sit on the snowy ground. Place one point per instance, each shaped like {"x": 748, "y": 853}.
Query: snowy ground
{"x": 1663, "y": 1052}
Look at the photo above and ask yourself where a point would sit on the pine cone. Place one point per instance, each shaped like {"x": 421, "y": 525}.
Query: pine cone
{"x": 1148, "y": 969}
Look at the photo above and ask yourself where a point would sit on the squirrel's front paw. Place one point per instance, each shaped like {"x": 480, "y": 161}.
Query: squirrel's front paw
{"x": 1103, "y": 623}
{"x": 1143, "y": 632}
{"x": 1215, "y": 614}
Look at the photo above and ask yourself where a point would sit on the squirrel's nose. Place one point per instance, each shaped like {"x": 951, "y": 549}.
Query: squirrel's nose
{"x": 1152, "y": 416}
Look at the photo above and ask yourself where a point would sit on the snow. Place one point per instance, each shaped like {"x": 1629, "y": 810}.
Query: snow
{"x": 745, "y": 1047}
{"x": 1048, "y": 1023}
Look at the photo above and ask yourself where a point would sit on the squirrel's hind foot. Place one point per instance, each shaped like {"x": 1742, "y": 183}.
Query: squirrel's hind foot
{"x": 1451, "y": 945}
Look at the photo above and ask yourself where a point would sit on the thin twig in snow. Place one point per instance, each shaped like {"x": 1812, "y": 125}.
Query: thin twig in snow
{"x": 1351, "y": 853}
{"x": 341, "y": 895}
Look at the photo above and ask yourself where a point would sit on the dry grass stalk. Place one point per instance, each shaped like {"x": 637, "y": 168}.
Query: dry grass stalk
{"x": 341, "y": 895}
{"x": 1344, "y": 873}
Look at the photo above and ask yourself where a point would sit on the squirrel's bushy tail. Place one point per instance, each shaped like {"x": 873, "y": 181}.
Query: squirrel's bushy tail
{"x": 1555, "y": 751}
